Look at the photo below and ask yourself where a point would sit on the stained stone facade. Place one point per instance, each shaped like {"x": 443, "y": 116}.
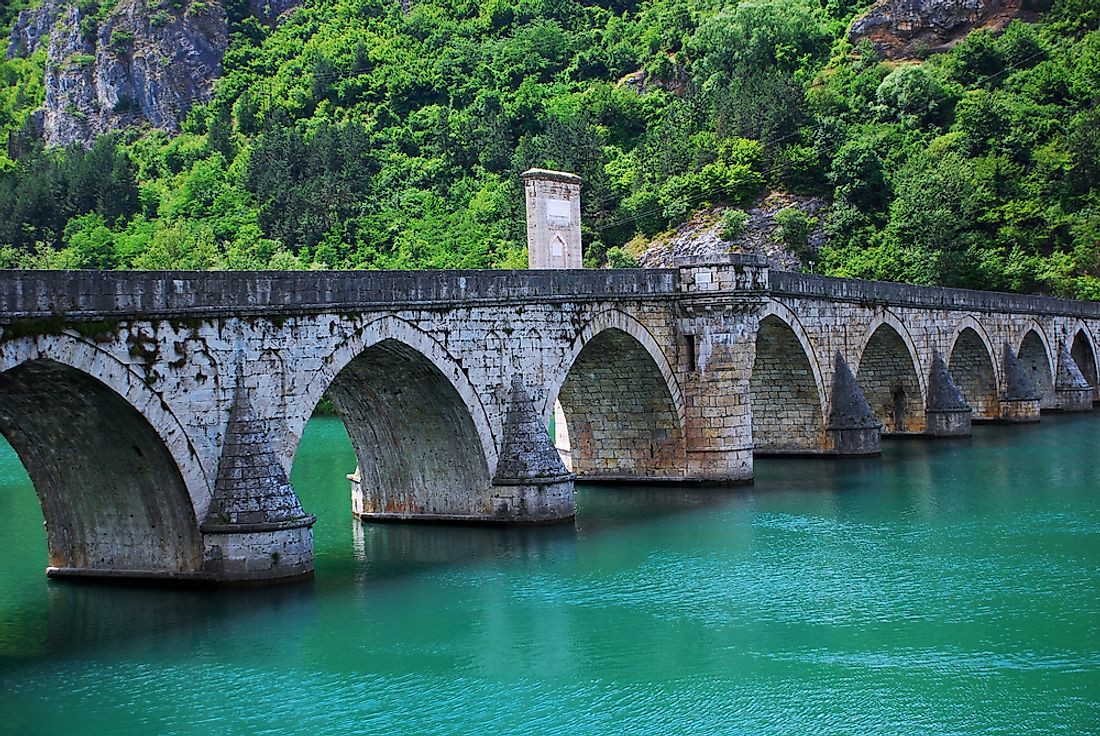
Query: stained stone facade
{"x": 159, "y": 414}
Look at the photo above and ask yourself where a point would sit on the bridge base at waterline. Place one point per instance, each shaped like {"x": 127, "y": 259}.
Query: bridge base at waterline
{"x": 949, "y": 423}
{"x": 230, "y": 555}
{"x": 1074, "y": 400}
{"x": 530, "y": 502}
{"x": 1019, "y": 411}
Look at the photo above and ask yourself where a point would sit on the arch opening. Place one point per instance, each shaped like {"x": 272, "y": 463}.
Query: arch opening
{"x": 1083, "y": 355}
{"x": 416, "y": 445}
{"x": 620, "y": 416}
{"x": 113, "y": 497}
{"x": 971, "y": 368}
{"x": 888, "y": 378}
{"x": 786, "y": 401}
{"x": 1035, "y": 360}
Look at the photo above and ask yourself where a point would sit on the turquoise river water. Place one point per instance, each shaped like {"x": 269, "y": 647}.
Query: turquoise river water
{"x": 949, "y": 587}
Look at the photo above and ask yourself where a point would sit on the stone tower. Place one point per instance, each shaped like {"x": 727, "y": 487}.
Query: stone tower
{"x": 553, "y": 219}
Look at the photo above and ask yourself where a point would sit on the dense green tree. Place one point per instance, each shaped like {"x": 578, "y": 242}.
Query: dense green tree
{"x": 353, "y": 134}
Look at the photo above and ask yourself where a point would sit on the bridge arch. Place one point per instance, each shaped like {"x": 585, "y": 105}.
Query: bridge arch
{"x": 786, "y": 388}
{"x": 621, "y": 403}
{"x": 419, "y": 430}
{"x": 121, "y": 488}
{"x": 1037, "y": 358}
{"x": 973, "y": 367}
{"x": 1083, "y": 351}
{"x": 891, "y": 376}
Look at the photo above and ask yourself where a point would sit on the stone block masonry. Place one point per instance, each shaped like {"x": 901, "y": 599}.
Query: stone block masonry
{"x": 159, "y": 414}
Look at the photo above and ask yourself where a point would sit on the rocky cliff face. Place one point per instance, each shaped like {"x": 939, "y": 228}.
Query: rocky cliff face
{"x": 701, "y": 236}
{"x": 147, "y": 62}
{"x": 910, "y": 28}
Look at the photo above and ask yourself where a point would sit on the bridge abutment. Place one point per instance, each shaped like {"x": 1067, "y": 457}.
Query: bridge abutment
{"x": 948, "y": 412}
{"x": 256, "y": 529}
{"x": 1020, "y": 402}
{"x": 852, "y": 427}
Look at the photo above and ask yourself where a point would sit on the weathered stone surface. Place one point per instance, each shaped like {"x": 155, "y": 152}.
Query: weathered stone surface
{"x": 1020, "y": 402}
{"x": 666, "y": 375}
{"x": 31, "y": 29}
{"x": 948, "y": 412}
{"x": 531, "y": 482}
{"x": 852, "y": 426}
{"x": 1018, "y": 383}
{"x": 145, "y": 64}
{"x": 1073, "y": 391}
{"x": 553, "y": 200}
{"x": 527, "y": 453}
{"x": 909, "y": 28}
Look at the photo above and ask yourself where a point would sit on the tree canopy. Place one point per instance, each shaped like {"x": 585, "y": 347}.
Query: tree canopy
{"x": 355, "y": 135}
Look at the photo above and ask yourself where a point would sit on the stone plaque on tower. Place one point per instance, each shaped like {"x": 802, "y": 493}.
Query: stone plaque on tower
{"x": 553, "y": 219}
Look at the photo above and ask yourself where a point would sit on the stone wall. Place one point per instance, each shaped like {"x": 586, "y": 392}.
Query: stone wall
{"x": 786, "y": 402}
{"x": 972, "y": 367}
{"x": 679, "y": 374}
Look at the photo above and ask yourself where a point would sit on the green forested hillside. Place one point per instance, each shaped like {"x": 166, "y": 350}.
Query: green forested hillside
{"x": 354, "y": 135}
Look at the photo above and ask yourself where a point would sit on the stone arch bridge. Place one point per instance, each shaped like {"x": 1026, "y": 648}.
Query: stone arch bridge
{"x": 158, "y": 414}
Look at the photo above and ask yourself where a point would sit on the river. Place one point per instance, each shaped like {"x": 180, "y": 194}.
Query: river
{"x": 949, "y": 587}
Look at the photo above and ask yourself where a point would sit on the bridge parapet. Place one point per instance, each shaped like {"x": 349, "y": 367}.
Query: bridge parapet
{"x": 783, "y": 283}
{"x": 166, "y": 294}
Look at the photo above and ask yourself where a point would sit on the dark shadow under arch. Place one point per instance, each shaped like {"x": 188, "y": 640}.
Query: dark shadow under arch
{"x": 620, "y": 413}
{"x": 786, "y": 402}
{"x": 1035, "y": 360}
{"x": 971, "y": 368}
{"x": 112, "y": 496}
{"x": 417, "y": 447}
{"x": 889, "y": 381}
{"x": 1083, "y": 355}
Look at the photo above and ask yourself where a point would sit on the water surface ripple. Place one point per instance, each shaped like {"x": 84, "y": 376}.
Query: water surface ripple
{"x": 947, "y": 588}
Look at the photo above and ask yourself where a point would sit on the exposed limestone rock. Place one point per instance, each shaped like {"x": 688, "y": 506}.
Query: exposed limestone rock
{"x": 909, "y": 28}
{"x": 147, "y": 63}
{"x": 700, "y": 236}
{"x": 140, "y": 67}
{"x": 32, "y": 27}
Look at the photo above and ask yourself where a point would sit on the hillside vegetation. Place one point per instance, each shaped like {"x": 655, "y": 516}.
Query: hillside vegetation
{"x": 356, "y": 135}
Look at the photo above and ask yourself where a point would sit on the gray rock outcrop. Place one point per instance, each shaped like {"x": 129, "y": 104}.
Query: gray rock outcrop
{"x": 909, "y": 28}
{"x": 146, "y": 63}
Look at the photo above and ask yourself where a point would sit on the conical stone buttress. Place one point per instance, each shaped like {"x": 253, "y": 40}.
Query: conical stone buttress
{"x": 256, "y": 528}
{"x": 531, "y": 484}
{"x": 852, "y": 427}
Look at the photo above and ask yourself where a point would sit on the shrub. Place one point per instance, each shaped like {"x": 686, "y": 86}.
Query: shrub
{"x": 733, "y": 225}
{"x": 122, "y": 39}
{"x": 794, "y": 230}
